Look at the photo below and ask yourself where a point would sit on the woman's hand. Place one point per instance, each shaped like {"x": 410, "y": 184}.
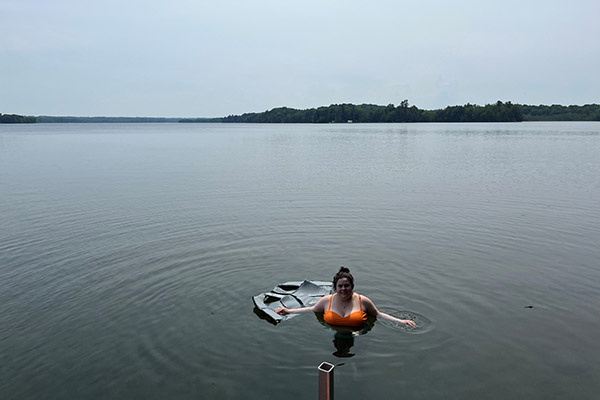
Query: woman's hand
{"x": 408, "y": 322}
{"x": 283, "y": 311}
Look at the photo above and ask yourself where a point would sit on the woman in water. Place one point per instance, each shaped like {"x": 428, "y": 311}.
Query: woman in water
{"x": 344, "y": 307}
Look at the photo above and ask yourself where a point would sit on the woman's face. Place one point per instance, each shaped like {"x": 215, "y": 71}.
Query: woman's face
{"x": 343, "y": 287}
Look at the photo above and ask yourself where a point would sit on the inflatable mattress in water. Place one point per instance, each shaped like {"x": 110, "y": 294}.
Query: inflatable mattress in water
{"x": 289, "y": 295}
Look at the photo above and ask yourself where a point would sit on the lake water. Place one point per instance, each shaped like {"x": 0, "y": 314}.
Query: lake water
{"x": 129, "y": 255}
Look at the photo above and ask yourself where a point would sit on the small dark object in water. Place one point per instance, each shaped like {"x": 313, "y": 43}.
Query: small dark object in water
{"x": 528, "y": 307}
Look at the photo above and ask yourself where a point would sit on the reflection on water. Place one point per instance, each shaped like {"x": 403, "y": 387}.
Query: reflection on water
{"x": 343, "y": 342}
{"x": 343, "y": 338}
{"x": 128, "y": 255}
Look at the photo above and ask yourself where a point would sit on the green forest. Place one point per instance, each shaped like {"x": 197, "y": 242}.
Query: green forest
{"x": 497, "y": 112}
{"x": 588, "y": 112}
{"x": 16, "y": 119}
{"x": 343, "y": 113}
{"x": 80, "y": 120}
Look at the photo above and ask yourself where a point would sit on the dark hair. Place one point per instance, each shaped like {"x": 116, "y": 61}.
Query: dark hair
{"x": 343, "y": 273}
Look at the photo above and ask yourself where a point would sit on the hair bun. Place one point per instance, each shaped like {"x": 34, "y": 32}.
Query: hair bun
{"x": 344, "y": 269}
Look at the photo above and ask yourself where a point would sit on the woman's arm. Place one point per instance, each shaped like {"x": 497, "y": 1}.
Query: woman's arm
{"x": 318, "y": 307}
{"x": 372, "y": 310}
{"x": 409, "y": 322}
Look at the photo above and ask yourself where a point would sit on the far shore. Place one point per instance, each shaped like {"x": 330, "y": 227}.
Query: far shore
{"x": 363, "y": 113}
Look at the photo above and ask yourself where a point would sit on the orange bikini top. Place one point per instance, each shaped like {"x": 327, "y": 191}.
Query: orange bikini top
{"x": 357, "y": 318}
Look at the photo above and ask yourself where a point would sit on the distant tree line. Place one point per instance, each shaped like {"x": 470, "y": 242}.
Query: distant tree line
{"x": 555, "y": 112}
{"x": 16, "y": 119}
{"x": 50, "y": 119}
{"x": 341, "y": 113}
{"x": 187, "y": 120}
{"x": 498, "y": 112}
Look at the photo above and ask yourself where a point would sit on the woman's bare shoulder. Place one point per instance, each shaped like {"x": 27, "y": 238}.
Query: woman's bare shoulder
{"x": 320, "y": 305}
{"x": 365, "y": 298}
{"x": 369, "y": 305}
{"x": 325, "y": 298}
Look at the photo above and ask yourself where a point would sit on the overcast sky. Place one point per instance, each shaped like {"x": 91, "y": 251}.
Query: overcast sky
{"x": 214, "y": 58}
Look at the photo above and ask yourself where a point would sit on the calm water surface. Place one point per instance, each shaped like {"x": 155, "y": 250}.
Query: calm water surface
{"x": 129, "y": 255}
